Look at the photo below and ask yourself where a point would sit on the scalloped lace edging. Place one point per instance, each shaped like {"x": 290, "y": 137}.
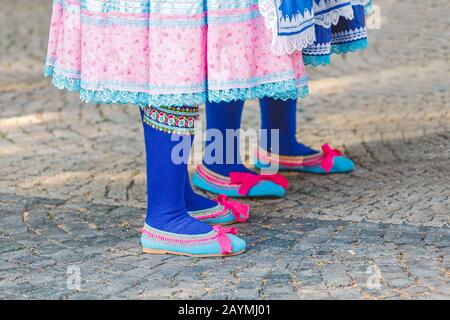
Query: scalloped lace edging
{"x": 349, "y": 47}
{"x": 324, "y": 60}
{"x": 109, "y": 96}
{"x": 283, "y": 90}
{"x": 289, "y": 44}
{"x": 288, "y": 89}
{"x": 316, "y": 61}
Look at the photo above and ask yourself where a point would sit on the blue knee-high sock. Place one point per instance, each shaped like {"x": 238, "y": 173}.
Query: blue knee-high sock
{"x": 281, "y": 115}
{"x": 222, "y": 155}
{"x": 194, "y": 201}
{"x": 166, "y": 178}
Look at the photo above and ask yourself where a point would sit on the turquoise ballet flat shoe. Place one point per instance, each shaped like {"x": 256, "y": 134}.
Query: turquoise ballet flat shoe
{"x": 340, "y": 165}
{"x": 329, "y": 161}
{"x": 220, "y": 242}
{"x": 240, "y": 184}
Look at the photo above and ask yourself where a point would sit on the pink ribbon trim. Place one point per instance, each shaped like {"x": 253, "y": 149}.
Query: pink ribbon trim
{"x": 222, "y": 237}
{"x": 239, "y": 210}
{"x": 328, "y": 157}
{"x": 248, "y": 180}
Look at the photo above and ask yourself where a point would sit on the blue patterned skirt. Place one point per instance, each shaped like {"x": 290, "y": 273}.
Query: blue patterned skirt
{"x": 347, "y": 35}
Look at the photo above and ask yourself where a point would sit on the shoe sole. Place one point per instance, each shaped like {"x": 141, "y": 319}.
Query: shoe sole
{"x": 222, "y": 224}
{"x": 154, "y": 251}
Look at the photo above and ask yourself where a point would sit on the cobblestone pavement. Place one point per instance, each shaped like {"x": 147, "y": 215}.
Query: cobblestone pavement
{"x": 72, "y": 186}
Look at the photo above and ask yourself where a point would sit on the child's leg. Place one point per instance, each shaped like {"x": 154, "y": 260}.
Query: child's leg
{"x": 166, "y": 182}
{"x": 194, "y": 201}
{"x": 221, "y": 117}
{"x": 223, "y": 171}
{"x": 169, "y": 228}
{"x": 217, "y": 211}
{"x": 290, "y": 154}
{"x": 281, "y": 115}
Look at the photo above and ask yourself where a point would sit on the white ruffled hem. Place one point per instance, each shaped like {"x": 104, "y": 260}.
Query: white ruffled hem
{"x": 282, "y": 45}
{"x": 288, "y": 44}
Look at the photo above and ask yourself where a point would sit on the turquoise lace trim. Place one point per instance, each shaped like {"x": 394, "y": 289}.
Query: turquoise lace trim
{"x": 317, "y": 60}
{"x": 324, "y": 60}
{"x": 109, "y": 96}
{"x": 350, "y": 46}
{"x": 284, "y": 90}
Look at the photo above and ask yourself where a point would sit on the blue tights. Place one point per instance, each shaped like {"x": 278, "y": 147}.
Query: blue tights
{"x": 275, "y": 115}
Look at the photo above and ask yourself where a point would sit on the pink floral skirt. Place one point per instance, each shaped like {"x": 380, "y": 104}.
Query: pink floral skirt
{"x": 168, "y": 53}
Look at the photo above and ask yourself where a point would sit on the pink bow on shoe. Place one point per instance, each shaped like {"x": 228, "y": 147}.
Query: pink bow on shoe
{"x": 239, "y": 210}
{"x": 249, "y": 180}
{"x": 224, "y": 242}
{"x": 328, "y": 157}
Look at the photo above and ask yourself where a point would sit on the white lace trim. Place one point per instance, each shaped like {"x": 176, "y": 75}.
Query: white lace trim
{"x": 318, "y": 49}
{"x": 349, "y": 35}
{"x": 282, "y": 45}
{"x": 337, "y": 38}
{"x": 332, "y": 17}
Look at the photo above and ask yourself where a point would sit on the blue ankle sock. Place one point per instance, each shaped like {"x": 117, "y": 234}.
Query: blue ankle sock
{"x": 166, "y": 180}
{"x": 219, "y": 118}
{"x": 281, "y": 115}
